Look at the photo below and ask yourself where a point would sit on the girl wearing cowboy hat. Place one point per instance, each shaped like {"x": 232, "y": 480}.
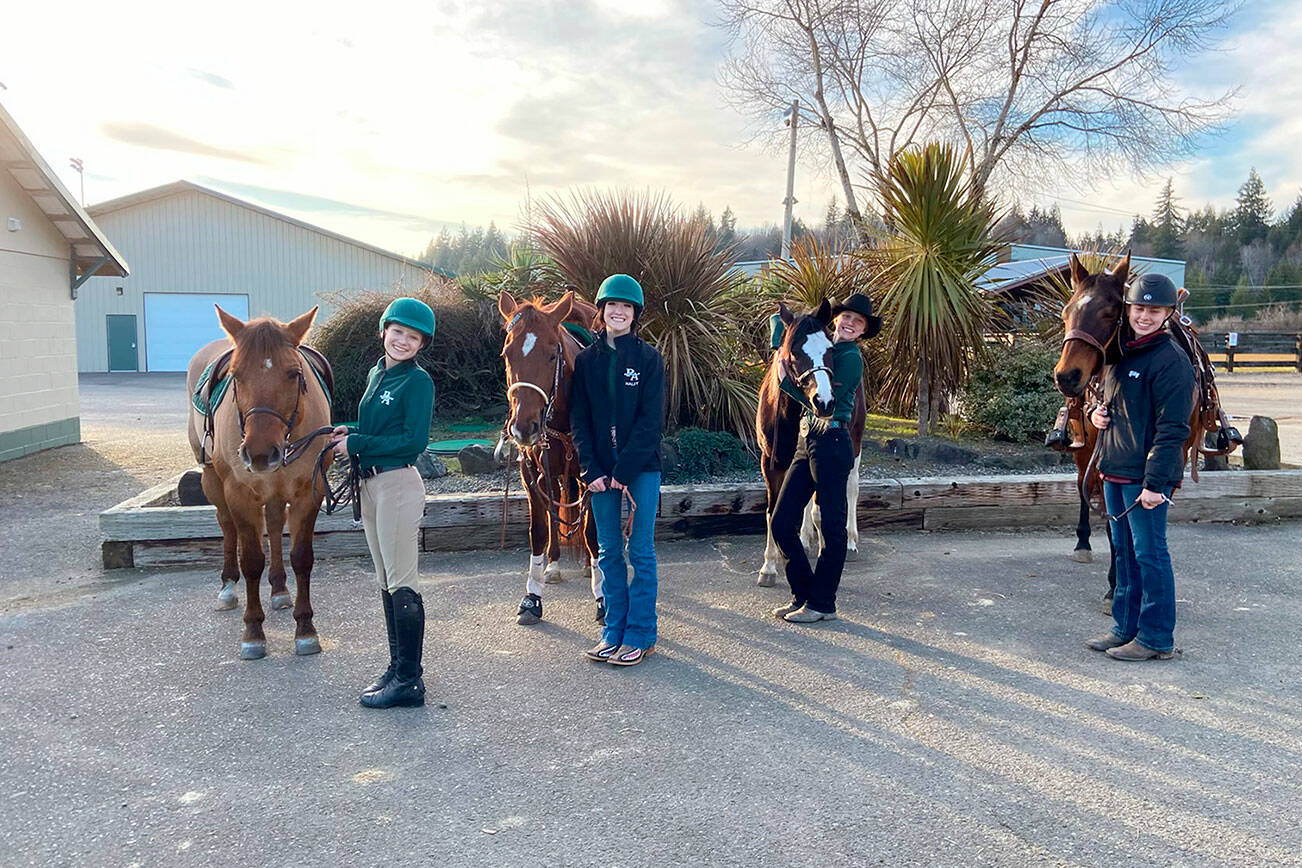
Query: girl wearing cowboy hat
{"x": 823, "y": 460}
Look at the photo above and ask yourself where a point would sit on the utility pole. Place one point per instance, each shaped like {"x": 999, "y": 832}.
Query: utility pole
{"x": 77, "y": 166}
{"x": 791, "y": 180}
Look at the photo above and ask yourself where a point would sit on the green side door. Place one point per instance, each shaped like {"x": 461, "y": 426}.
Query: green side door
{"x": 122, "y": 355}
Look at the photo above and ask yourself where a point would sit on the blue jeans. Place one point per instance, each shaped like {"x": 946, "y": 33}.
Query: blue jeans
{"x": 630, "y": 606}
{"x": 1143, "y": 606}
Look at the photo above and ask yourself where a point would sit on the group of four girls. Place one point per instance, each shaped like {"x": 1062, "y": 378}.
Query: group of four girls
{"x": 616, "y": 419}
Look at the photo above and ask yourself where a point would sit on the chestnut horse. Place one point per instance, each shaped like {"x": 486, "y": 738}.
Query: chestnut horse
{"x": 248, "y": 448}
{"x": 539, "y": 352}
{"x": 1092, "y": 318}
{"x": 805, "y": 345}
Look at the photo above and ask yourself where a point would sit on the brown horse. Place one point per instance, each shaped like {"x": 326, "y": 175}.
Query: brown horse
{"x": 805, "y": 345}
{"x": 539, "y": 353}
{"x": 248, "y": 447}
{"x": 1091, "y": 319}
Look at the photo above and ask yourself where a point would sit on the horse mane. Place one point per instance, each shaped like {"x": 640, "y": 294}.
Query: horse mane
{"x": 261, "y": 337}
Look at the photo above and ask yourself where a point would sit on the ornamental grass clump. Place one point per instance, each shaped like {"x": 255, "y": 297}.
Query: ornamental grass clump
{"x": 695, "y": 302}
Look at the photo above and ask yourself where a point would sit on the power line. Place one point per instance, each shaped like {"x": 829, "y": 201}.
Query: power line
{"x": 1244, "y": 304}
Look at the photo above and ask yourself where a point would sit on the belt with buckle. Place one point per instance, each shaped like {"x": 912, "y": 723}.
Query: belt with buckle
{"x": 368, "y": 472}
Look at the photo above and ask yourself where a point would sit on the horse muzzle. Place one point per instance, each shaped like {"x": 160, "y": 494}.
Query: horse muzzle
{"x": 273, "y": 459}
{"x": 1071, "y": 382}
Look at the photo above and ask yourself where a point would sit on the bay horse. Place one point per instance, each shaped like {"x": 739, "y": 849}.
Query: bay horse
{"x": 804, "y": 350}
{"x": 539, "y": 353}
{"x": 276, "y": 406}
{"x": 1092, "y": 318}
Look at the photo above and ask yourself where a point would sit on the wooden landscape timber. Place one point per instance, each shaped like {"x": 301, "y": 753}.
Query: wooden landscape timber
{"x": 142, "y": 532}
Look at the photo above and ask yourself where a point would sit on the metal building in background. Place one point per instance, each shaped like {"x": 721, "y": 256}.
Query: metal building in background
{"x": 192, "y": 247}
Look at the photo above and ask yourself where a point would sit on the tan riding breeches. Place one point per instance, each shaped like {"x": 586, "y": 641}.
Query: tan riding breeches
{"x": 392, "y": 506}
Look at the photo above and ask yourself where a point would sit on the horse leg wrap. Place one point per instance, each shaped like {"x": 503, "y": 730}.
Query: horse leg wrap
{"x": 596, "y": 581}
{"x": 537, "y": 566}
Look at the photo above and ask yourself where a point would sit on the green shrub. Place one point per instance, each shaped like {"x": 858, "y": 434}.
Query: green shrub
{"x": 703, "y": 454}
{"x": 464, "y": 357}
{"x": 1010, "y": 393}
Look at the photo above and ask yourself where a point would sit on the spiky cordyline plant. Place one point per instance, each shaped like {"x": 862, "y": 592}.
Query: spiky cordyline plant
{"x": 693, "y": 298}
{"x": 942, "y": 238}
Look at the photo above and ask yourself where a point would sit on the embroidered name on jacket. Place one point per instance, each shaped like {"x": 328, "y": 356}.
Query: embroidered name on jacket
{"x": 631, "y": 376}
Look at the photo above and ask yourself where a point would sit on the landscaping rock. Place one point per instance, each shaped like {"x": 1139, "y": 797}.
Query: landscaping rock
{"x": 944, "y": 452}
{"x": 902, "y": 447}
{"x": 430, "y": 466}
{"x": 478, "y": 459}
{"x": 190, "y": 489}
{"x": 1261, "y": 445}
{"x": 1029, "y": 461}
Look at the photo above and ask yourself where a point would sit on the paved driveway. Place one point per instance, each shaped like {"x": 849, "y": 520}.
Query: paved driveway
{"x": 950, "y": 718}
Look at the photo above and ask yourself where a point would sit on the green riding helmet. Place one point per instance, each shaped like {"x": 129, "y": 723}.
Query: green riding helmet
{"x": 1156, "y": 290}
{"x": 411, "y": 312}
{"x": 621, "y": 287}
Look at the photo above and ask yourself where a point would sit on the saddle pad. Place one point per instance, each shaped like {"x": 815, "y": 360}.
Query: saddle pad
{"x": 580, "y": 334}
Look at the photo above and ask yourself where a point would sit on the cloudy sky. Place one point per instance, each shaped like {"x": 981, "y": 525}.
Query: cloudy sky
{"x": 386, "y": 121}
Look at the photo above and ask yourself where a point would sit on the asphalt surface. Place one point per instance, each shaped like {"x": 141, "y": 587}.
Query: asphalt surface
{"x": 951, "y": 717}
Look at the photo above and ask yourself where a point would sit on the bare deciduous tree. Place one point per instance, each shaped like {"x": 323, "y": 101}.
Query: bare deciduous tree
{"x": 1031, "y": 89}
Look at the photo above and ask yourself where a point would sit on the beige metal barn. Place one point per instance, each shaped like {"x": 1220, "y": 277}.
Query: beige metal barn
{"x": 48, "y": 247}
{"x": 193, "y": 247}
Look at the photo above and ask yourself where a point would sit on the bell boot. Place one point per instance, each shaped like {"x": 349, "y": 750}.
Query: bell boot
{"x": 378, "y": 684}
{"x": 406, "y": 687}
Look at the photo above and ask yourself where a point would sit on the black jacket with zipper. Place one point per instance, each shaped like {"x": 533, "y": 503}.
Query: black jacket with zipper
{"x": 1149, "y": 396}
{"x": 621, "y": 388}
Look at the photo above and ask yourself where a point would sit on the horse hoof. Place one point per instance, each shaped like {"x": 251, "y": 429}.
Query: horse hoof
{"x": 253, "y": 650}
{"x": 852, "y": 554}
{"x": 281, "y": 601}
{"x": 226, "y": 598}
{"x": 527, "y": 618}
{"x": 766, "y": 580}
{"x": 552, "y": 574}
{"x": 307, "y": 645}
{"x": 1083, "y": 556}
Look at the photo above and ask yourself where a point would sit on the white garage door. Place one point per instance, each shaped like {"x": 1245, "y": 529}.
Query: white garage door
{"x": 178, "y": 324}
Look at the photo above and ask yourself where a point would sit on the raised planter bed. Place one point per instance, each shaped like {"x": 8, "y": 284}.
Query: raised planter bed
{"x": 142, "y": 532}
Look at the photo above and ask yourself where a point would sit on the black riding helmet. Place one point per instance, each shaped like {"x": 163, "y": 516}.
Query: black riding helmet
{"x": 1156, "y": 290}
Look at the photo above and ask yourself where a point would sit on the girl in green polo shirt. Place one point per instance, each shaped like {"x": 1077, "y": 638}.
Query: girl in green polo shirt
{"x": 391, "y": 431}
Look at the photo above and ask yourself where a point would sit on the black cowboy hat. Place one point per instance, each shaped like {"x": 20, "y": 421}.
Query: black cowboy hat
{"x": 862, "y": 305}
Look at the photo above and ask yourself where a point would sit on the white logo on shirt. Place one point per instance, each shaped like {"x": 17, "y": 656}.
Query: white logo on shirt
{"x": 1134, "y": 375}
{"x": 630, "y": 377}
{"x": 386, "y": 399}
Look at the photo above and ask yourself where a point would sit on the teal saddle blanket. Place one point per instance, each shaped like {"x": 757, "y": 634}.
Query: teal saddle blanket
{"x": 216, "y": 380}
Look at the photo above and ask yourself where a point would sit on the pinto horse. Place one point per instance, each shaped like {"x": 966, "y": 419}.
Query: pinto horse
{"x": 804, "y": 350}
{"x": 539, "y": 352}
{"x": 1092, "y": 318}
{"x": 276, "y": 407}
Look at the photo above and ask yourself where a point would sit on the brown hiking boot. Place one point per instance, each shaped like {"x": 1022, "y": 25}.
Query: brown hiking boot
{"x": 1133, "y": 651}
{"x": 1106, "y": 641}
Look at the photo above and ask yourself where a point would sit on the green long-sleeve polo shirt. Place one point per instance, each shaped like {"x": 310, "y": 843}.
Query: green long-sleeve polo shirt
{"x": 394, "y": 416}
{"x": 847, "y": 373}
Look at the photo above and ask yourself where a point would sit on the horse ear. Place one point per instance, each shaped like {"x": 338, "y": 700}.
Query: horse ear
{"x": 560, "y": 310}
{"x": 230, "y": 324}
{"x": 785, "y": 313}
{"x": 301, "y": 325}
{"x": 506, "y": 304}
{"x": 1122, "y": 271}
{"x": 1078, "y": 271}
{"x": 824, "y": 312}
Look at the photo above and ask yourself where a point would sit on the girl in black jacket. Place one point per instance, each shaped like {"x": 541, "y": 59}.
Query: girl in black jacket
{"x": 616, "y": 414}
{"x": 1143, "y": 424}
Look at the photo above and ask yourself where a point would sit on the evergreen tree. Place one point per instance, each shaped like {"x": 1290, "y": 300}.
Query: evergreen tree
{"x": 1252, "y": 210}
{"x": 1243, "y": 298}
{"x": 1166, "y": 229}
{"x": 727, "y": 227}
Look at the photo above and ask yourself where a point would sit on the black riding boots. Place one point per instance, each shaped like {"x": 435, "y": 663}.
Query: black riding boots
{"x": 401, "y": 684}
